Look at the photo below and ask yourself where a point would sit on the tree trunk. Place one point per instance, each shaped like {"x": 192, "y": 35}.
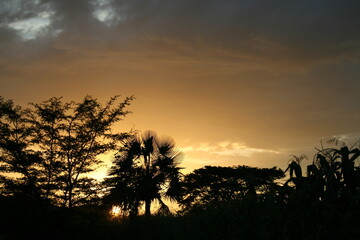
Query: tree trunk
{"x": 147, "y": 208}
{"x": 70, "y": 199}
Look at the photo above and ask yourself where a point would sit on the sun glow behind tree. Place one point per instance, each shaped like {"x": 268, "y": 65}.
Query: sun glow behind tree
{"x": 55, "y": 145}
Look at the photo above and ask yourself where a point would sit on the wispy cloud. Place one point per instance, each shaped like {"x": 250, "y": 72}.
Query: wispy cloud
{"x": 227, "y": 148}
{"x": 349, "y": 139}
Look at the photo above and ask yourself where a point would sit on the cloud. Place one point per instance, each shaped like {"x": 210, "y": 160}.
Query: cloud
{"x": 279, "y": 35}
{"x": 275, "y": 73}
{"x": 105, "y": 12}
{"x": 350, "y": 139}
{"x": 30, "y": 19}
{"x": 32, "y": 27}
{"x": 227, "y": 149}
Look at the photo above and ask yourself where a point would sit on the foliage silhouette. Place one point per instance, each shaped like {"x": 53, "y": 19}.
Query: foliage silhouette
{"x": 336, "y": 169}
{"x": 145, "y": 169}
{"x": 332, "y": 178}
{"x": 15, "y": 154}
{"x": 294, "y": 165}
{"x": 53, "y": 145}
{"x": 211, "y": 186}
{"x": 47, "y": 150}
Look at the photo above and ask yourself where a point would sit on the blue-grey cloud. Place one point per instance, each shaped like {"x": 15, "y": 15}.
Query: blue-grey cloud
{"x": 298, "y": 31}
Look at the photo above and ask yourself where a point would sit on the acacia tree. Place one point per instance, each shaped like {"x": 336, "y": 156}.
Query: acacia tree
{"x": 15, "y": 154}
{"x": 211, "y": 186}
{"x": 146, "y": 169}
{"x": 68, "y": 137}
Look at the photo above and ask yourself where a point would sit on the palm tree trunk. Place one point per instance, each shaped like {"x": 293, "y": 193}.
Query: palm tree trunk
{"x": 147, "y": 208}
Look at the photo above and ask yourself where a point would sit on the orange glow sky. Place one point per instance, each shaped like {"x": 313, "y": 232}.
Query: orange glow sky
{"x": 233, "y": 82}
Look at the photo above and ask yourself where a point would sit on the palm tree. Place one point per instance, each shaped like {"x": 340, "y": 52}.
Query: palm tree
{"x": 146, "y": 169}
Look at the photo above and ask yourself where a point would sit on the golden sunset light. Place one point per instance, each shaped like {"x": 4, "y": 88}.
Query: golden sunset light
{"x": 273, "y": 82}
{"x": 224, "y": 84}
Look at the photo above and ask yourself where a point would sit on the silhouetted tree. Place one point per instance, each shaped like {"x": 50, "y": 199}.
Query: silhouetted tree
{"x": 67, "y": 138}
{"x": 211, "y": 186}
{"x": 16, "y": 156}
{"x": 146, "y": 169}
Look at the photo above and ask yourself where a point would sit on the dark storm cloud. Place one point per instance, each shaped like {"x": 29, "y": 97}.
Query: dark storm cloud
{"x": 254, "y": 30}
{"x": 302, "y": 29}
{"x": 75, "y": 17}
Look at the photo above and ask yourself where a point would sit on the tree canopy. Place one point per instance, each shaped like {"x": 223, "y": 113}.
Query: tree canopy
{"x": 52, "y": 146}
{"x": 211, "y": 186}
{"x": 48, "y": 149}
{"x": 146, "y": 169}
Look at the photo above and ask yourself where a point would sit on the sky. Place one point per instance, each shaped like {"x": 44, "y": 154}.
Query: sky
{"x": 246, "y": 82}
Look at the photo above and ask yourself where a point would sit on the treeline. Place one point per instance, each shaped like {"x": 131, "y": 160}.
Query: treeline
{"x": 48, "y": 150}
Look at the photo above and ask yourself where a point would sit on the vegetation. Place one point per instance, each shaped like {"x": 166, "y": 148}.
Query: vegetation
{"x": 211, "y": 187}
{"x": 146, "y": 169}
{"x": 52, "y": 146}
{"x": 48, "y": 149}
